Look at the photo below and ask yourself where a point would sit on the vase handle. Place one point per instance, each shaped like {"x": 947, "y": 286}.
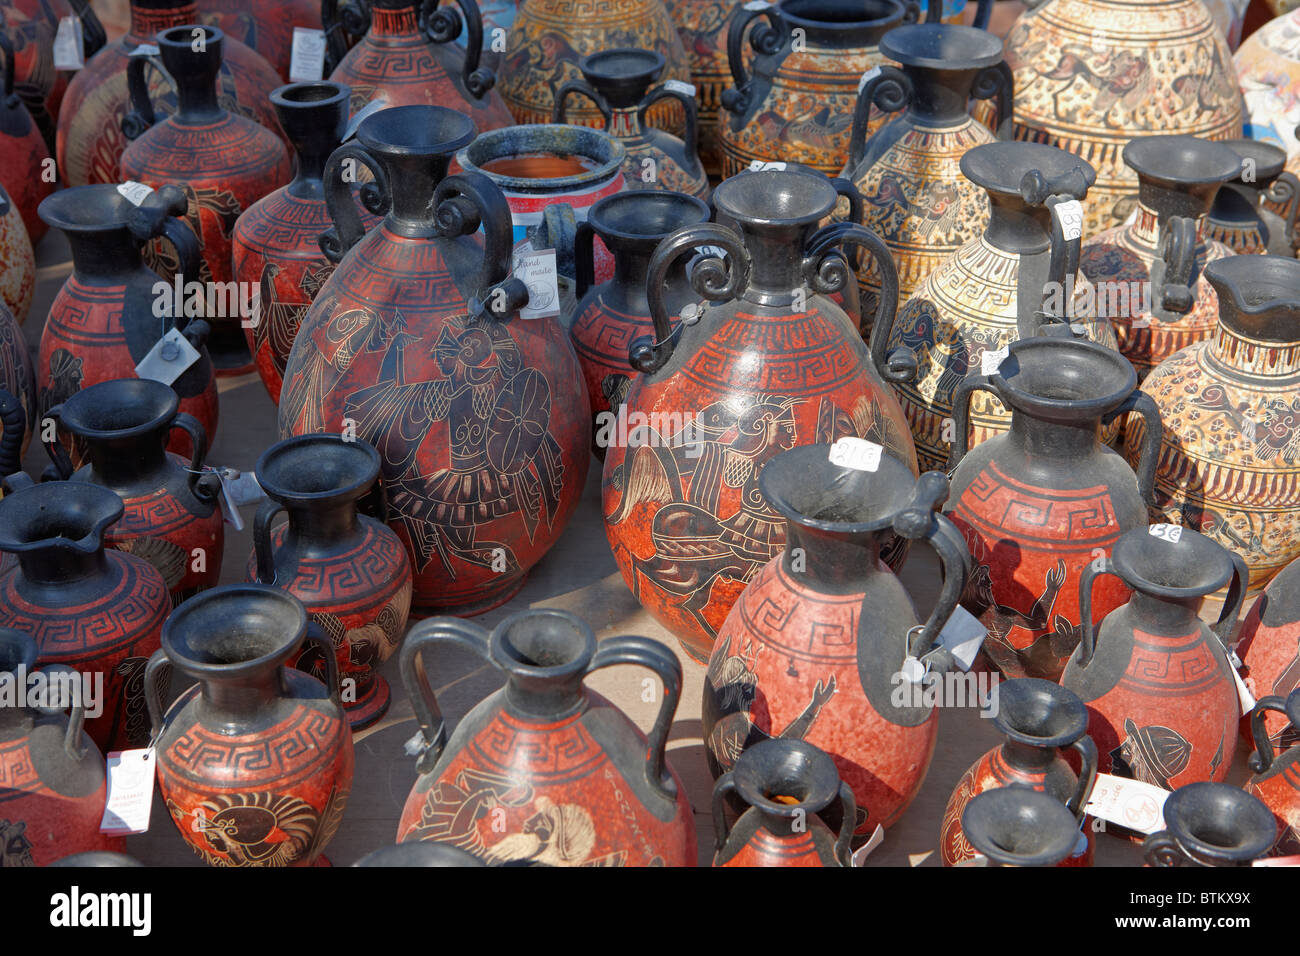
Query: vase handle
{"x": 93, "y": 34}
{"x": 766, "y": 41}
{"x": 848, "y": 825}
{"x": 1285, "y": 191}
{"x": 961, "y": 399}
{"x": 316, "y": 635}
{"x": 348, "y": 228}
{"x": 7, "y": 48}
{"x": 655, "y": 657}
{"x": 575, "y": 87}
{"x": 162, "y": 216}
{"x": 712, "y": 278}
{"x": 14, "y": 419}
{"x": 692, "y": 139}
{"x": 350, "y": 18}
{"x": 140, "y": 114}
{"x": 203, "y": 489}
{"x": 464, "y": 202}
{"x": 1262, "y": 759}
{"x": 998, "y": 83}
{"x": 891, "y": 90}
{"x": 1088, "y": 638}
{"x": 266, "y": 512}
{"x": 54, "y": 449}
{"x": 725, "y": 785}
{"x": 445, "y": 25}
{"x": 1163, "y": 850}
{"x": 1222, "y": 628}
{"x": 920, "y": 520}
{"x": 1036, "y": 189}
{"x": 427, "y": 746}
{"x": 584, "y": 258}
{"x": 1153, "y": 433}
{"x": 1086, "y": 748}
{"x": 156, "y": 671}
{"x": 1177, "y": 257}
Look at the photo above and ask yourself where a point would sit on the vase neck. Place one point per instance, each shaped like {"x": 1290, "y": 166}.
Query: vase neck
{"x": 394, "y": 22}
{"x": 321, "y": 525}
{"x": 1146, "y": 227}
{"x": 196, "y": 101}
{"x": 1063, "y": 441}
{"x": 119, "y": 462}
{"x": 624, "y": 123}
{"x": 414, "y": 179}
{"x": 774, "y": 272}
{"x": 549, "y": 698}
{"x": 1164, "y": 615}
{"x": 59, "y": 566}
{"x": 150, "y": 19}
{"x": 1016, "y": 227}
{"x": 232, "y": 703}
{"x": 1251, "y": 357}
{"x": 1028, "y": 758}
{"x": 940, "y": 97}
{"x": 101, "y": 253}
{"x": 830, "y": 562}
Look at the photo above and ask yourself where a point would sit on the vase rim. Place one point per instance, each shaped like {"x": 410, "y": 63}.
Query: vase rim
{"x": 1183, "y": 570}
{"x": 415, "y": 130}
{"x": 543, "y": 644}
{"x": 251, "y": 627}
{"x": 1262, "y": 288}
{"x": 1197, "y": 814}
{"x": 358, "y": 466}
{"x": 639, "y": 68}
{"x": 1001, "y": 167}
{"x": 690, "y": 211}
{"x": 534, "y": 138}
{"x": 97, "y": 207}
{"x": 42, "y": 513}
{"x": 1091, "y": 378}
{"x": 942, "y": 46}
{"x": 95, "y": 411}
{"x": 797, "y": 12}
{"x": 310, "y": 93}
{"x": 1018, "y": 826}
{"x": 775, "y": 197}
{"x": 779, "y": 767}
{"x": 1181, "y": 160}
{"x": 1035, "y": 704}
{"x": 1269, "y": 159}
{"x": 806, "y": 471}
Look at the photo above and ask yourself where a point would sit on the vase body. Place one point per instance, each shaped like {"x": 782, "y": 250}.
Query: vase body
{"x": 54, "y": 782}
{"x": 577, "y": 781}
{"x": 264, "y": 27}
{"x": 990, "y": 292}
{"x": 172, "y": 519}
{"x": 17, "y": 261}
{"x": 1040, "y": 720}
{"x": 1162, "y": 702}
{"x": 95, "y": 610}
{"x": 91, "y": 141}
{"x": 611, "y": 315}
{"x": 1276, "y": 766}
{"x": 814, "y": 648}
{"x": 103, "y": 320}
{"x": 702, "y": 26}
{"x": 1268, "y": 71}
{"x": 31, "y": 26}
{"x": 1269, "y": 647}
{"x": 276, "y": 241}
{"x": 1228, "y": 458}
{"x": 480, "y": 418}
{"x": 255, "y": 760}
{"x": 28, "y": 179}
{"x": 1211, "y": 824}
{"x": 18, "y": 379}
{"x": 1146, "y": 69}
{"x": 768, "y": 364}
{"x": 1256, "y": 212}
{"x": 398, "y": 63}
{"x": 349, "y": 570}
{"x": 797, "y": 104}
{"x": 226, "y": 163}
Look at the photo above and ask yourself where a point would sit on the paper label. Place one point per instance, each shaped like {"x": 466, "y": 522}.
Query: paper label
{"x": 757, "y": 5}
{"x": 145, "y": 49}
{"x": 990, "y": 362}
{"x": 1128, "y": 803}
{"x": 1244, "y": 695}
{"x": 963, "y": 636}
{"x": 1168, "y": 532}
{"x": 135, "y": 192}
{"x": 758, "y": 166}
{"x": 307, "y": 63}
{"x": 241, "y": 486}
{"x": 130, "y": 792}
{"x": 867, "y": 77}
{"x": 68, "y": 48}
{"x": 1070, "y": 215}
{"x": 913, "y": 670}
{"x": 856, "y": 453}
{"x": 537, "y": 269}
{"x": 861, "y": 853}
{"x": 678, "y": 86}
{"x": 168, "y": 359}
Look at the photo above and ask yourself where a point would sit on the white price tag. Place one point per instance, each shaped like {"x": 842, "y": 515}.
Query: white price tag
{"x": 677, "y": 86}
{"x": 1070, "y": 215}
{"x": 168, "y": 359}
{"x": 229, "y": 497}
{"x": 963, "y": 636}
{"x": 130, "y": 792}
{"x": 145, "y": 49}
{"x": 1168, "y": 532}
{"x": 991, "y": 361}
{"x": 757, "y": 5}
{"x": 758, "y": 166}
{"x": 856, "y": 453}
{"x": 68, "y": 45}
{"x": 1128, "y": 803}
{"x": 861, "y": 853}
{"x": 1243, "y": 692}
{"x": 241, "y": 486}
{"x": 913, "y": 670}
{"x": 135, "y": 192}
{"x": 867, "y": 77}
{"x": 537, "y": 269}
{"x": 307, "y": 61}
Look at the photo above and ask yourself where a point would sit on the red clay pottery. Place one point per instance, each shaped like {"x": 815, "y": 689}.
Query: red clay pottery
{"x": 1017, "y": 826}
{"x": 763, "y": 363}
{"x": 575, "y": 782}
{"x": 17, "y": 262}
{"x": 1047, "y": 499}
{"x": 19, "y": 383}
{"x": 785, "y": 784}
{"x": 1269, "y": 646}
{"x": 1211, "y": 824}
{"x": 414, "y": 345}
{"x": 407, "y": 59}
{"x": 54, "y": 788}
{"x": 91, "y": 140}
{"x": 29, "y": 175}
{"x": 1162, "y": 701}
{"x": 349, "y": 570}
{"x": 1277, "y": 772}
{"x": 609, "y": 316}
{"x": 1241, "y": 218}
{"x": 702, "y": 25}
{"x": 104, "y": 320}
{"x": 32, "y": 25}
{"x": 255, "y": 760}
{"x": 98, "y": 611}
{"x": 1040, "y": 720}
{"x": 1092, "y": 74}
{"x": 225, "y": 162}
{"x": 619, "y": 83}
{"x": 276, "y": 241}
{"x": 1229, "y": 462}
{"x": 172, "y": 518}
{"x": 1148, "y": 276}
{"x": 264, "y": 27}
{"x": 815, "y": 648}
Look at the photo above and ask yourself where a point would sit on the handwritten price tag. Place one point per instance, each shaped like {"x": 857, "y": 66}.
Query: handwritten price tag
{"x": 758, "y": 166}
{"x": 990, "y": 362}
{"x": 677, "y": 86}
{"x": 168, "y": 359}
{"x": 1128, "y": 803}
{"x": 135, "y": 192}
{"x": 68, "y": 45}
{"x": 1070, "y": 215}
{"x": 856, "y": 453}
{"x": 1166, "y": 532}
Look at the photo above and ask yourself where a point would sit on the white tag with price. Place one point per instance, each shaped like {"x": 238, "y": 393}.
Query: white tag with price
{"x": 145, "y": 49}
{"x": 168, "y": 359}
{"x": 135, "y": 192}
{"x": 963, "y": 636}
{"x": 130, "y": 792}
{"x": 677, "y": 86}
{"x": 860, "y": 855}
{"x": 307, "y": 63}
{"x": 856, "y": 453}
{"x": 1167, "y": 532}
{"x": 1128, "y": 803}
{"x": 867, "y": 77}
{"x": 536, "y": 268}
{"x": 757, "y": 6}
{"x": 68, "y": 45}
{"x": 1246, "y": 698}
{"x": 758, "y": 166}
{"x": 1070, "y": 215}
{"x": 991, "y": 361}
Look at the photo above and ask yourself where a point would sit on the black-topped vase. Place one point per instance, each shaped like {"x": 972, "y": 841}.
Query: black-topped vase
{"x": 1211, "y": 824}
{"x": 1241, "y": 217}
{"x": 1017, "y": 826}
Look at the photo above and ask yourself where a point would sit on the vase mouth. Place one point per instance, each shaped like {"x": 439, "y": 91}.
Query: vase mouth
{"x": 234, "y": 631}
{"x": 17, "y": 649}
{"x": 942, "y": 46}
{"x": 416, "y": 131}
{"x": 1061, "y": 379}
{"x": 83, "y": 209}
{"x": 1181, "y": 160}
{"x": 543, "y": 644}
{"x": 1219, "y": 822}
{"x": 645, "y": 217}
{"x": 1040, "y": 713}
{"x": 1017, "y": 826}
{"x": 804, "y": 487}
{"x": 59, "y": 516}
{"x": 318, "y": 467}
{"x": 1269, "y": 160}
{"x": 775, "y": 197}
{"x": 1001, "y": 167}
{"x": 1261, "y": 294}
{"x": 786, "y": 778}
{"x": 532, "y": 139}
{"x": 626, "y": 70}
{"x": 1182, "y": 570}
{"x": 311, "y": 93}
{"x": 841, "y": 15}
{"x": 121, "y": 409}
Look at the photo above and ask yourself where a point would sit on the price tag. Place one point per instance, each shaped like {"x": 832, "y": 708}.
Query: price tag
{"x": 145, "y": 49}
{"x": 130, "y": 792}
{"x": 677, "y": 86}
{"x": 241, "y": 486}
{"x": 168, "y": 359}
{"x": 135, "y": 192}
{"x": 861, "y": 853}
{"x": 913, "y": 670}
{"x": 757, "y": 5}
{"x": 963, "y": 636}
{"x": 1070, "y": 215}
{"x": 991, "y": 361}
{"x": 307, "y": 61}
{"x": 537, "y": 269}
{"x": 1168, "y": 532}
{"x": 1128, "y": 803}
{"x": 758, "y": 166}
{"x": 856, "y": 453}
{"x": 1244, "y": 695}
{"x": 232, "y": 495}
{"x": 867, "y": 77}
{"x": 68, "y": 50}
